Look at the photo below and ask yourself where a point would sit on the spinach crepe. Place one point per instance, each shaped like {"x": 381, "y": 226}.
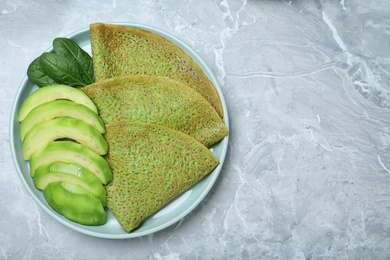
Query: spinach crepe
{"x": 119, "y": 50}
{"x": 159, "y": 100}
{"x": 151, "y": 165}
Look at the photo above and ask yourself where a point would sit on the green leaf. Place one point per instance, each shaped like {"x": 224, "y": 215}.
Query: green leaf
{"x": 67, "y": 48}
{"x": 63, "y": 70}
{"x": 37, "y": 75}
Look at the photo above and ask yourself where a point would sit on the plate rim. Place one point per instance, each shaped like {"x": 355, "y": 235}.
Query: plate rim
{"x": 214, "y": 174}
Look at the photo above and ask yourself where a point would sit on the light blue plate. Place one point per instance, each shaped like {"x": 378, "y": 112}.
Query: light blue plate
{"x": 168, "y": 215}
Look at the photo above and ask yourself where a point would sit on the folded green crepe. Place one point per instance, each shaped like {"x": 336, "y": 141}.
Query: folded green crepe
{"x": 159, "y": 100}
{"x": 151, "y": 165}
{"x": 119, "y": 50}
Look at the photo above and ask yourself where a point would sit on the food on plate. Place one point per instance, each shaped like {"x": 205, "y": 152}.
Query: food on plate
{"x": 68, "y": 151}
{"x": 68, "y": 64}
{"x": 132, "y": 141}
{"x": 72, "y": 173}
{"x": 63, "y": 127}
{"x": 75, "y": 203}
{"x": 119, "y": 50}
{"x": 60, "y": 108}
{"x": 51, "y": 93}
{"x": 159, "y": 100}
{"x": 151, "y": 165}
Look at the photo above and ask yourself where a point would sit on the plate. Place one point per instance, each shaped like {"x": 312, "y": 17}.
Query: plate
{"x": 170, "y": 213}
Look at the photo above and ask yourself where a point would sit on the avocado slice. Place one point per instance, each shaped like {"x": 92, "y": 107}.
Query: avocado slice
{"x": 68, "y": 151}
{"x": 63, "y": 127}
{"x": 49, "y": 93}
{"x": 72, "y": 173}
{"x": 60, "y": 108}
{"x": 75, "y": 203}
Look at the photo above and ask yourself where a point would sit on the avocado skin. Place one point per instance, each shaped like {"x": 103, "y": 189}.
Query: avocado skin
{"x": 68, "y": 151}
{"x": 60, "y": 108}
{"x": 72, "y": 173}
{"x": 63, "y": 127}
{"x": 75, "y": 203}
{"x": 54, "y": 92}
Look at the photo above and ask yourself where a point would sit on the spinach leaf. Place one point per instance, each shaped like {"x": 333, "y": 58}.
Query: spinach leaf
{"x": 67, "y": 48}
{"x": 69, "y": 65}
{"x": 37, "y": 75}
{"x": 62, "y": 69}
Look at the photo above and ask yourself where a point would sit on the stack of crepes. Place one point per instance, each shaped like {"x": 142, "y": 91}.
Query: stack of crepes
{"x": 161, "y": 114}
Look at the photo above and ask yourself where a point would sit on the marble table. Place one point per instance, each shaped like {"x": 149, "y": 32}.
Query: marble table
{"x": 307, "y": 172}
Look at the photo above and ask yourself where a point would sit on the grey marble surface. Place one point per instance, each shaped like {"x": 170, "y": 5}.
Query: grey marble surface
{"x": 307, "y": 85}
